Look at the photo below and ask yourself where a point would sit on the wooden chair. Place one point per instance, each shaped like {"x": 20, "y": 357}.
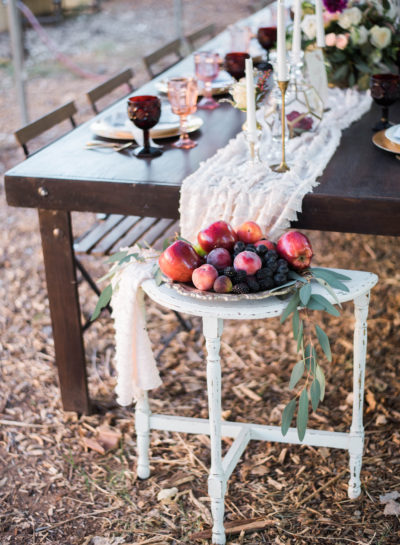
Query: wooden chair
{"x": 201, "y": 35}
{"x": 105, "y": 88}
{"x": 43, "y": 124}
{"x": 172, "y": 49}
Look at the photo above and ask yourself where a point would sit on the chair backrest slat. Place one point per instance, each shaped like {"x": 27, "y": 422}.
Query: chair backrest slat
{"x": 123, "y": 78}
{"x": 171, "y": 48}
{"x": 27, "y": 133}
{"x": 205, "y": 32}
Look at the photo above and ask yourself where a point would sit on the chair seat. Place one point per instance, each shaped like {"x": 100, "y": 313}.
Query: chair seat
{"x": 106, "y": 237}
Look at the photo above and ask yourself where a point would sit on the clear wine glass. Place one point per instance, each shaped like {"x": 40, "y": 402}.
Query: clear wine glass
{"x": 145, "y": 111}
{"x": 385, "y": 90}
{"x": 206, "y": 68}
{"x": 182, "y": 95}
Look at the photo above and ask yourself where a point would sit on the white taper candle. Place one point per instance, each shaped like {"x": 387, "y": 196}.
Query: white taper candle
{"x": 250, "y": 102}
{"x": 281, "y": 42}
{"x": 320, "y": 24}
{"x": 296, "y": 37}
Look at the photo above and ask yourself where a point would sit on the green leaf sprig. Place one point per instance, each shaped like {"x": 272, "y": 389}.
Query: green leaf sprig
{"x": 307, "y": 372}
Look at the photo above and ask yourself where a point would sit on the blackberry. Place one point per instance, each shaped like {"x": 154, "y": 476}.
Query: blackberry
{"x": 229, "y": 272}
{"x": 250, "y": 248}
{"x": 253, "y": 284}
{"x": 261, "y": 250}
{"x": 239, "y": 247}
{"x": 241, "y": 275}
{"x": 266, "y": 283}
{"x": 272, "y": 264}
{"x": 280, "y": 279}
{"x": 242, "y": 287}
{"x": 282, "y": 261}
{"x": 284, "y": 269}
{"x": 263, "y": 273}
{"x": 272, "y": 254}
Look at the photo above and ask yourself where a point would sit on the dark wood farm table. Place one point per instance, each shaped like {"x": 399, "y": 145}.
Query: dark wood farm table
{"x": 359, "y": 192}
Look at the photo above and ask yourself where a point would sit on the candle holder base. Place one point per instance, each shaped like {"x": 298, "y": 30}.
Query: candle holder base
{"x": 281, "y": 167}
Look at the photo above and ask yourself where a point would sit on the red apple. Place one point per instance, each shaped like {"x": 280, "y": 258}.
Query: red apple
{"x": 267, "y": 243}
{"x": 219, "y": 258}
{"x": 217, "y": 235}
{"x": 199, "y": 250}
{"x": 178, "y": 261}
{"x": 249, "y": 232}
{"x": 296, "y": 249}
{"x": 204, "y": 277}
{"x": 247, "y": 261}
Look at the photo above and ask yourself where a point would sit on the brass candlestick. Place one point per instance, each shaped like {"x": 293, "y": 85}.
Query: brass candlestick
{"x": 282, "y": 167}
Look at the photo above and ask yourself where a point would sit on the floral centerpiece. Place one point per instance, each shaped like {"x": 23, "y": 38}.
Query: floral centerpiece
{"x": 362, "y": 38}
{"x": 263, "y": 83}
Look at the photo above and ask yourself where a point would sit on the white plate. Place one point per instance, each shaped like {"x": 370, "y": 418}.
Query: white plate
{"x": 393, "y": 134}
{"x": 117, "y": 126}
{"x": 219, "y": 86}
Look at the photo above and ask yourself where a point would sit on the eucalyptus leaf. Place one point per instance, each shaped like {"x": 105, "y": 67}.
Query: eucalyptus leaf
{"x": 307, "y": 355}
{"x": 329, "y": 272}
{"x": 313, "y": 304}
{"x": 302, "y": 415}
{"x": 291, "y": 306}
{"x": 158, "y": 276}
{"x": 295, "y": 323}
{"x": 116, "y": 257}
{"x": 291, "y": 283}
{"x": 319, "y": 375}
{"x": 313, "y": 360}
{"x": 295, "y": 276}
{"x": 305, "y": 293}
{"x": 328, "y": 307}
{"x": 297, "y": 373}
{"x": 104, "y": 299}
{"x": 300, "y": 336}
{"x": 287, "y": 416}
{"x": 325, "y": 285}
{"x": 315, "y": 393}
{"x": 324, "y": 342}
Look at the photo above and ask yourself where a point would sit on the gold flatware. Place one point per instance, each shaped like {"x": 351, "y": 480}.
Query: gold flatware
{"x": 108, "y": 145}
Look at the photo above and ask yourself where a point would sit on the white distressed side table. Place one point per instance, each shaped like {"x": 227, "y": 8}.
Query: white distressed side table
{"x": 213, "y": 314}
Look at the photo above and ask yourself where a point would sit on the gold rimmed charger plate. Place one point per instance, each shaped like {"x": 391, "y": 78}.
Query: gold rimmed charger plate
{"x": 191, "y": 291}
{"x": 381, "y": 141}
{"x": 120, "y": 132}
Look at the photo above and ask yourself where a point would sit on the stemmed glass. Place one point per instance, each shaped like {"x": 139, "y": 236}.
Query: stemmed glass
{"x": 266, "y": 37}
{"x": 385, "y": 90}
{"x": 145, "y": 111}
{"x": 235, "y": 64}
{"x": 207, "y": 68}
{"x": 182, "y": 95}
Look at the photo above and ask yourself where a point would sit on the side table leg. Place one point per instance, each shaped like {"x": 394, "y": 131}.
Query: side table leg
{"x": 357, "y": 429}
{"x": 142, "y": 424}
{"x": 212, "y": 329}
{"x": 62, "y": 290}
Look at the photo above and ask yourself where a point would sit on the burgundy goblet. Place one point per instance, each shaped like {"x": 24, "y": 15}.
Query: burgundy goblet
{"x": 235, "y": 64}
{"x": 266, "y": 37}
{"x": 385, "y": 90}
{"x": 145, "y": 111}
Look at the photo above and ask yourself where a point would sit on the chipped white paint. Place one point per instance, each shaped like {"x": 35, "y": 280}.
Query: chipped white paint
{"x": 213, "y": 314}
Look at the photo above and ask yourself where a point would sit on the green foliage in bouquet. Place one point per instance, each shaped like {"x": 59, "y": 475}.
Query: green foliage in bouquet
{"x": 361, "y": 40}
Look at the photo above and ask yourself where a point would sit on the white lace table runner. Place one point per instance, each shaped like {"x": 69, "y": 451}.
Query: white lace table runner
{"x": 230, "y": 187}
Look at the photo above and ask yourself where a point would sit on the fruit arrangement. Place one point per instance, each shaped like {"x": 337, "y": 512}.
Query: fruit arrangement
{"x": 238, "y": 261}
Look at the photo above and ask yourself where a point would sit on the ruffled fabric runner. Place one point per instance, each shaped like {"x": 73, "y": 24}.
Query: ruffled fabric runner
{"x": 230, "y": 187}
{"x": 227, "y": 186}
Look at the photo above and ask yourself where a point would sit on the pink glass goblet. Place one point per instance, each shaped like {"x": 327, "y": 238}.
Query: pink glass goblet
{"x": 145, "y": 111}
{"x": 182, "y": 95}
{"x": 235, "y": 64}
{"x": 206, "y": 68}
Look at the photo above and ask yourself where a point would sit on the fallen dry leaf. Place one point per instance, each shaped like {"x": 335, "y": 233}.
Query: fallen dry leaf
{"x": 392, "y": 508}
{"x": 385, "y": 498}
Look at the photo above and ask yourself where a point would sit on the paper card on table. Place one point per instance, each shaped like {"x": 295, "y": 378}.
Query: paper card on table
{"x": 317, "y": 72}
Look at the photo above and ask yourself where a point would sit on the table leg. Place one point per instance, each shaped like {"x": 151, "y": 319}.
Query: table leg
{"x": 142, "y": 424}
{"x": 62, "y": 289}
{"x": 357, "y": 429}
{"x": 212, "y": 329}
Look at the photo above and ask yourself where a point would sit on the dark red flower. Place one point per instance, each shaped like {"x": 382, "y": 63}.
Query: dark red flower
{"x": 335, "y": 5}
{"x": 304, "y": 124}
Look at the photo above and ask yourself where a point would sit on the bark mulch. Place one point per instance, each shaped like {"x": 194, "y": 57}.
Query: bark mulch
{"x": 71, "y": 480}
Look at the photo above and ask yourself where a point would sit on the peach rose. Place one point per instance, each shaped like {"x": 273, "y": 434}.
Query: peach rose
{"x": 330, "y": 39}
{"x": 342, "y": 40}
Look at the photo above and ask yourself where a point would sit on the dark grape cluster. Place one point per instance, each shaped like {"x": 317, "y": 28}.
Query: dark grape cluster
{"x": 274, "y": 271}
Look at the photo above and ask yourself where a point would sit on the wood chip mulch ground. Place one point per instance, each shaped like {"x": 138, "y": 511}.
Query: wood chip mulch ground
{"x": 71, "y": 480}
